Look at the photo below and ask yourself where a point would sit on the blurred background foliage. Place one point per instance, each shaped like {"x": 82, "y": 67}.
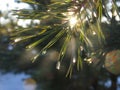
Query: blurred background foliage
{"x": 15, "y": 58}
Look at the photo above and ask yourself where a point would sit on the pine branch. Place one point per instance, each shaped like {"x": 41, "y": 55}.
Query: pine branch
{"x": 80, "y": 19}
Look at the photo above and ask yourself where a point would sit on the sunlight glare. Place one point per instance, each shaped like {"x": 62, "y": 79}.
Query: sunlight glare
{"x": 73, "y": 21}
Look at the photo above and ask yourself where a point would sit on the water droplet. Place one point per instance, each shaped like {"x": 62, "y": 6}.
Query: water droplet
{"x": 28, "y": 47}
{"x": 44, "y": 52}
{"x": 17, "y": 39}
{"x": 35, "y": 58}
{"x": 81, "y": 48}
{"x": 94, "y": 14}
{"x": 94, "y": 33}
{"x": 49, "y": 10}
{"x": 62, "y": 53}
{"x": 58, "y": 65}
{"x": 89, "y": 60}
{"x": 103, "y": 54}
{"x": 85, "y": 59}
{"x": 74, "y": 60}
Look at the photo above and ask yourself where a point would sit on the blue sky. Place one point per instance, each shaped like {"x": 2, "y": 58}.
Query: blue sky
{"x": 11, "y": 5}
{"x": 7, "y": 5}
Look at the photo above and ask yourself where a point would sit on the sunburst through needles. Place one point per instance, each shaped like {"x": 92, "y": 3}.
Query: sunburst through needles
{"x": 68, "y": 20}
